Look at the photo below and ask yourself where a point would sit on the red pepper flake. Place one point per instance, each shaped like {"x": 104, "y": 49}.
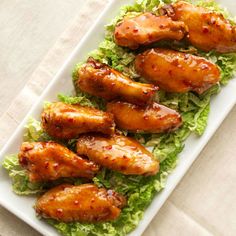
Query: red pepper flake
{"x": 135, "y": 30}
{"x": 213, "y": 21}
{"x": 24, "y": 161}
{"x": 205, "y": 29}
{"x": 109, "y": 147}
{"x": 175, "y": 62}
{"x": 46, "y": 165}
{"x": 186, "y": 56}
{"x": 76, "y": 202}
{"x": 56, "y": 165}
{"x": 59, "y": 211}
{"x": 204, "y": 67}
{"x": 145, "y": 117}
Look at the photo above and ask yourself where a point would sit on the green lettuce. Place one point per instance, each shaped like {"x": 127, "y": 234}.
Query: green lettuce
{"x": 20, "y": 181}
{"x": 82, "y": 100}
{"x": 19, "y": 176}
{"x": 34, "y": 131}
{"x": 139, "y": 190}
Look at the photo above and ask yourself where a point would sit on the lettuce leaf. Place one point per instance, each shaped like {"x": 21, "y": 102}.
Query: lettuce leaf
{"x": 34, "y": 132}
{"x": 82, "y": 100}
{"x": 20, "y": 181}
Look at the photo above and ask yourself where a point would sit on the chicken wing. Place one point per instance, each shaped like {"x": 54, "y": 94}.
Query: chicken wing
{"x": 46, "y": 161}
{"x": 102, "y": 81}
{"x": 154, "y": 118}
{"x": 147, "y": 28}
{"x": 118, "y": 153}
{"x": 208, "y": 30}
{"x": 66, "y": 121}
{"x": 176, "y": 71}
{"x": 85, "y": 203}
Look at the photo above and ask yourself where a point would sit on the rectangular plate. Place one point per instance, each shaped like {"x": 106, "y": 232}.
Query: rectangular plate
{"x": 220, "y": 107}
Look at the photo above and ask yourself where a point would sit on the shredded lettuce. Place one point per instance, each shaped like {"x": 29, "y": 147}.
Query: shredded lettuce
{"x": 34, "y": 132}
{"x": 20, "y": 181}
{"x": 82, "y": 100}
{"x": 139, "y": 190}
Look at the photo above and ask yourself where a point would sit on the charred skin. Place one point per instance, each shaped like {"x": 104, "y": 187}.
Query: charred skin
{"x": 83, "y": 203}
{"x": 101, "y": 80}
{"x": 154, "y": 118}
{"x": 147, "y": 28}
{"x": 208, "y": 30}
{"x": 177, "y": 72}
{"x": 118, "y": 153}
{"x": 46, "y": 161}
{"x": 64, "y": 121}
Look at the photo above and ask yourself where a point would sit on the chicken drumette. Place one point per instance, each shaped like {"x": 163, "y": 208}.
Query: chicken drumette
{"x": 47, "y": 161}
{"x": 175, "y": 71}
{"x": 101, "y": 80}
{"x": 118, "y": 153}
{"x": 208, "y": 30}
{"x": 154, "y": 118}
{"x": 66, "y": 121}
{"x": 84, "y": 203}
{"x": 147, "y": 28}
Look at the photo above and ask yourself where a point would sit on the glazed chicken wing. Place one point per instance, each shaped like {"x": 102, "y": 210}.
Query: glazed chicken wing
{"x": 154, "y": 118}
{"x": 118, "y": 153}
{"x": 102, "y": 81}
{"x": 176, "y": 71}
{"x": 147, "y": 28}
{"x": 66, "y": 121}
{"x": 84, "y": 203}
{"x": 46, "y": 161}
{"x": 208, "y": 30}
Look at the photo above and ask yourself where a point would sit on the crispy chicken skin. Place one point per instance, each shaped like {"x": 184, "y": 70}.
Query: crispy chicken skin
{"x": 147, "y": 28}
{"x": 175, "y": 71}
{"x": 64, "y": 121}
{"x": 47, "y": 161}
{"x": 208, "y": 30}
{"x": 85, "y": 203}
{"x": 154, "y": 118}
{"x": 118, "y": 153}
{"x": 103, "y": 81}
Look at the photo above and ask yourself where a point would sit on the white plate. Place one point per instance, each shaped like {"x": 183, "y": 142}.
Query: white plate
{"x": 220, "y": 107}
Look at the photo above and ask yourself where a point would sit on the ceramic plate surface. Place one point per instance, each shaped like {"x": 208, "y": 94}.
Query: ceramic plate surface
{"x": 220, "y": 107}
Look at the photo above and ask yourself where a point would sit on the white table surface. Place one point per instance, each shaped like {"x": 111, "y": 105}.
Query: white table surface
{"x": 29, "y": 28}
